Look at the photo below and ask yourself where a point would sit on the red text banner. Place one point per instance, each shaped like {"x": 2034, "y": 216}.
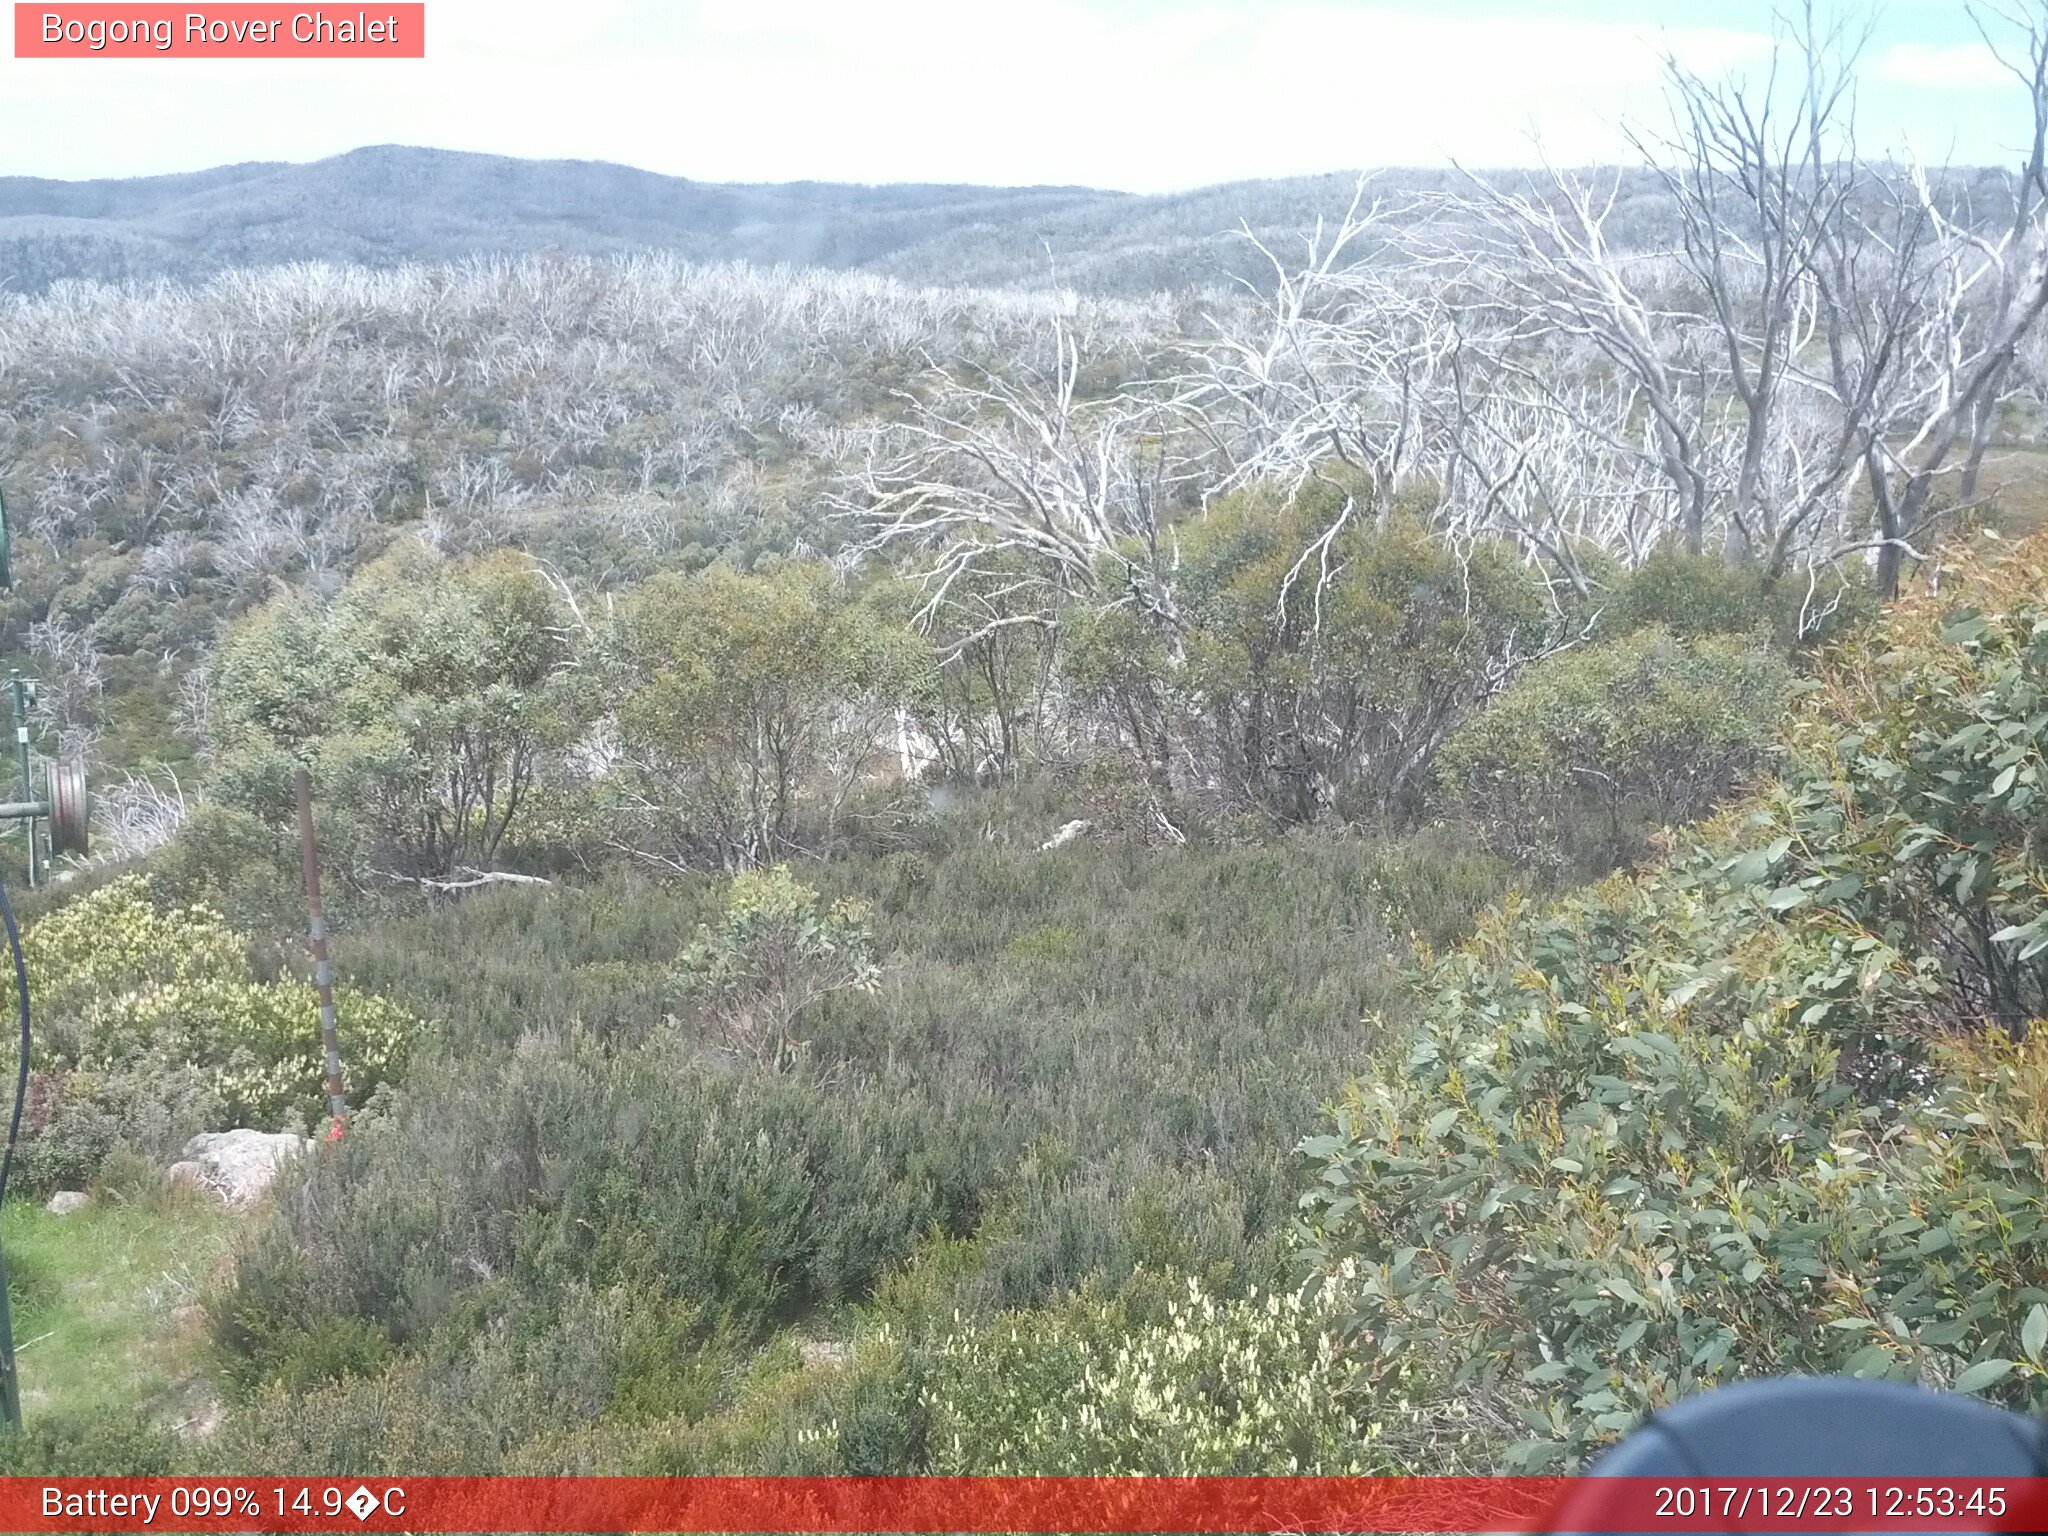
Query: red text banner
{"x": 1024, "y": 1504}
{"x": 220, "y": 31}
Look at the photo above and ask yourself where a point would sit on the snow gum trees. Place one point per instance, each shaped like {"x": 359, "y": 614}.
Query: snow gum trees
{"x": 463, "y": 713}
{"x": 427, "y": 695}
{"x": 1302, "y": 691}
{"x": 1799, "y": 376}
{"x": 754, "y": 713}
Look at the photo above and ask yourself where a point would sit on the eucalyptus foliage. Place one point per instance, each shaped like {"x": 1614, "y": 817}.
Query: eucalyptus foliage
{"x": 423, "y": 697}
{"x": 1604, "y": 742}
{"x": 1774, "y": 1107}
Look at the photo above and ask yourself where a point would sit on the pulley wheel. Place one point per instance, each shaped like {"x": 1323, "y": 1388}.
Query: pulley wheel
{"x": 70, "y": 808}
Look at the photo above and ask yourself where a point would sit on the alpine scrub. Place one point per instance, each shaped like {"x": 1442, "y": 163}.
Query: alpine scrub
{"x": 1773, "y": 1107}
{"x": 125, "y": 980}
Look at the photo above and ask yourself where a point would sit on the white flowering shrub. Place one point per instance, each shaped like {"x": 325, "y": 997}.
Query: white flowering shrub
{"x": 1248, "y": 1386}
{"x": 119, "y": 979}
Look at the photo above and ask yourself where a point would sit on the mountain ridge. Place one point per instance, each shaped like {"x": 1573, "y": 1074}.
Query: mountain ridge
{"x": 384, "y": 203}
{"x": 388, "y": 204}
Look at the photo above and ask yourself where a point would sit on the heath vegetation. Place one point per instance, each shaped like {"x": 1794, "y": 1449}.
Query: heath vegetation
{"x": 1384, "y": 869}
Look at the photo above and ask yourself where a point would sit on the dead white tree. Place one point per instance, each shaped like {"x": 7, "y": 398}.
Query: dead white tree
{"x": 1825, "y": 325}
{"x": 1538, "y": 281}
{"x": 986, "y": 470}
{"x": 1520, "y": 460}
{"x": 1950, "y": 300}
{"x": 137, "y": 816}
{"x": 1328, "y": 362}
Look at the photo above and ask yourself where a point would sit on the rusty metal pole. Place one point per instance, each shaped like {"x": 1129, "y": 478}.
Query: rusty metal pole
{"x": 323, "y": 972}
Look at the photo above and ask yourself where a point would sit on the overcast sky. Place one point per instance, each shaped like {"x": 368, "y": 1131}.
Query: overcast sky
{"x": 1143, "y": 95}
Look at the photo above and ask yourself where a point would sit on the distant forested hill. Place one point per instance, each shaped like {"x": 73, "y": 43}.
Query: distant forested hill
{"x": 389, "y": 204}
{"x": 384, "y": 205}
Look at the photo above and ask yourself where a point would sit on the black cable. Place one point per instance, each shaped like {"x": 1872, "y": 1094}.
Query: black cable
{"x": 21, "y": 1002}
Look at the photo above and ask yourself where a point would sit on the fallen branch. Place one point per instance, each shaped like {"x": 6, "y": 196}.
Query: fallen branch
{"x": 476, "y": 878}
{"x": 1066, "y": 835}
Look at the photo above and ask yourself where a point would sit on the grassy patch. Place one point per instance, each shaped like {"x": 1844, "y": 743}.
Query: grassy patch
{"x": 104, "y": 1304}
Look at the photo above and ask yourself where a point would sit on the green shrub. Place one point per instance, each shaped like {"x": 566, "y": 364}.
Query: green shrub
{"x": 1589, "y": 752}
{"x": 230, "y": 860}
{"x": 755, "y": 713}
{"x": 115, "y": 1444}
{"x": 743, "y": 1195}
{"x": 1694, "y": 596}
{"x": 151, "y": 1026}
{"x": 1298, "y": 684}
{"x": 1161, "y": 1377}
{"x": 494, "y": 1399}
{"x": 359, "y": 1426}
{"x": 860, "y": 1416}
{"x": 127, "y": 986}
{"x": 1588, "y": 1187}
{"x": 1765, "y": 1109}
{"x": 1916, "y": 805}
{"x": 75, "y": 1123}
{"x": 779, "y": 950}
{"x": 1431, "y": 884}
{"x": 423, "y": 697}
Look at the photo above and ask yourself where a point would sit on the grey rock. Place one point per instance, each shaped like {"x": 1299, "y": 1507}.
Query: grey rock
{"x": 239, "y": 1165}
{"x": 66, "y": 1201}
